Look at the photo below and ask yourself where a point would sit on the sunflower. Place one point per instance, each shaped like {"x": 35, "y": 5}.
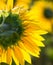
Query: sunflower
{"x": 20, "y": 37}
{"x": 42, "y": 12}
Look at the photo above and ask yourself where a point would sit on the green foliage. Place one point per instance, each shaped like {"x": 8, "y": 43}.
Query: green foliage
{"x": 3, "y": 64}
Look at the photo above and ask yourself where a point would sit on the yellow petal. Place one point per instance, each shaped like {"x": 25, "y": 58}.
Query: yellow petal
{"x": 14, "y": 58}
{"x": 24, "y": 3}
{"x": 0, "y": 59}
{"x": 4, "y": 0}
{"x": 35, "y": 46}
{"x": 28, "y": 49}
{"x": 36, "y": 36}
{"x": 2, "y": 5}
{"x": 9, "y": 4}
{"x": 0, "y": 55}
{"x": 19, "y": 55}
{"x": 4, "y": 56}
{"x": 32, "y": 45}
{"x": 26, "y": 56}
{"x": 38, "y": 43}
{"x": 9, "y": 56}
{"x": 40, "y": 32}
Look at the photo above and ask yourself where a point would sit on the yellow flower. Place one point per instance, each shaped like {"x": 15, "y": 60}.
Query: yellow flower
{"x": 42, "y": 12}
{"x": 20, "y": 37}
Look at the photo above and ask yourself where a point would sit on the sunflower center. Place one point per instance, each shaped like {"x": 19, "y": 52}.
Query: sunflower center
{"x": 11, "y": 29}
{"x": 48, "y": 13}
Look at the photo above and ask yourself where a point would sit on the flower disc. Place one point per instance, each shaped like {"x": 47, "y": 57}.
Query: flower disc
{"x": 11, "y": 29}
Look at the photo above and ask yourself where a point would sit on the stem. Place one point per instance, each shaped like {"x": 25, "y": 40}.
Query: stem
{"x": 2, "y": 21}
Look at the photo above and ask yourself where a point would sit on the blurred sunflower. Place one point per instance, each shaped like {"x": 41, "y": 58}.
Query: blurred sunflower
{"x": 42, "y": 12}
{"x": 19, "y": 36}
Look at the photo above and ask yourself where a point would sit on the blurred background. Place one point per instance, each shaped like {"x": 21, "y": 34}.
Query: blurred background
{"x": 46, "y": 55}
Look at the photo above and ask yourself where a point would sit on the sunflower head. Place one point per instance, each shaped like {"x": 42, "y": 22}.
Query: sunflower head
{"x": 11, "y": 29}
{"x": 43, "y": 14}
{"x": 20, "y": 37}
